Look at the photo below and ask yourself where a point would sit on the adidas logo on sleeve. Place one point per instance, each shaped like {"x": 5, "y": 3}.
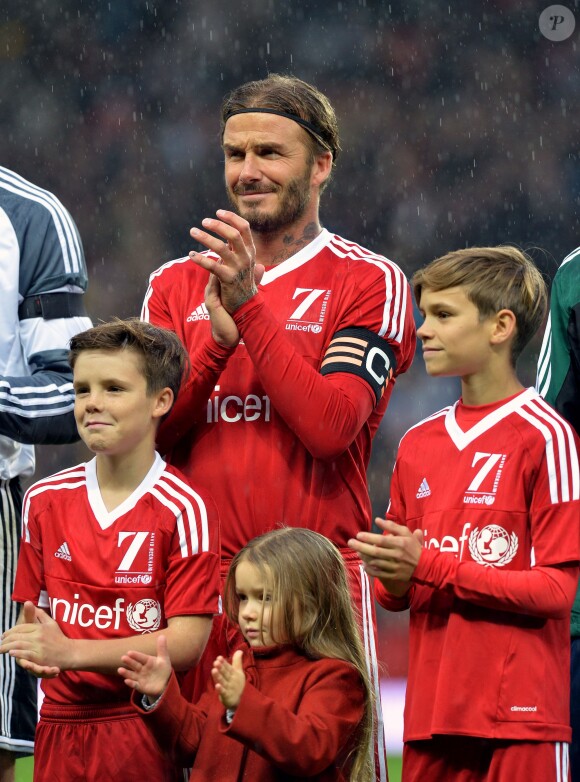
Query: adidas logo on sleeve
{"x": 63, "y": 552}
{"x": 424, "y": 490}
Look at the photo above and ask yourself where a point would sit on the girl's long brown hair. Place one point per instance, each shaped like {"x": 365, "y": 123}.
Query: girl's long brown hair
{"x": 314, "y": 611}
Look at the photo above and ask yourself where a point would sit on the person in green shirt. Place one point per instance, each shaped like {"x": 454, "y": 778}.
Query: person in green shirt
{"x": 558, "y": 381}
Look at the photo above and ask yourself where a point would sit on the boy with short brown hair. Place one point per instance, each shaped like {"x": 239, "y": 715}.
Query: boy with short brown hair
{"x": 114, "y": 552}
{"x": 482, "y": 537}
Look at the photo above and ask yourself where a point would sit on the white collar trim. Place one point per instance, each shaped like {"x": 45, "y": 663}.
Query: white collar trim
{"x": 299, "y": 259}
{"x": 463, "y": 439}
{"x": 102, "y": 515}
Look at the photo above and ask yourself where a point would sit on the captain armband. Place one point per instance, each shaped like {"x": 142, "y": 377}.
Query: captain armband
{"x": 361, "y": 352}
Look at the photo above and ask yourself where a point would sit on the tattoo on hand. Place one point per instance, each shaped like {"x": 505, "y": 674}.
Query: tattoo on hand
{"x": 243, "y": 288}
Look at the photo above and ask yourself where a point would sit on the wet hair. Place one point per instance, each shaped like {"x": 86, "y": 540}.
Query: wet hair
{"x": 313, "y": 610}
{"x": 494, "y": 279}
{"x": 164, "y": 360}
{"x": 289, "y": 96}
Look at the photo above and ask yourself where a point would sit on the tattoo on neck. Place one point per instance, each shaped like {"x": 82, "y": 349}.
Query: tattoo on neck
{"x": 292, "y": 244}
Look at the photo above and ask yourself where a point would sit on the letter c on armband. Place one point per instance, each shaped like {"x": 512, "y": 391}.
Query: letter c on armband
{"x": 361, "y": 352}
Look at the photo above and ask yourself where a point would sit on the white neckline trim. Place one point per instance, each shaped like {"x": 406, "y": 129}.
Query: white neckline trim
{"x": 299, "y": 259}
{"x": 462, "y": 439}
{"x": 102, "y": 515}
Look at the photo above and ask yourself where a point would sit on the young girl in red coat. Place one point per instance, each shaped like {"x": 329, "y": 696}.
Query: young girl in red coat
{"x": 294, "y": 702}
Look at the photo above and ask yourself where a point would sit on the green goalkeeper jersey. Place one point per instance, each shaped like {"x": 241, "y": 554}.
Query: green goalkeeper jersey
{"x": 559, "y": 363}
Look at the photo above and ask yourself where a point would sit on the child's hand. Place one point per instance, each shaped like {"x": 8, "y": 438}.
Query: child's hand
{"x": 229, "y": 680}
{"x": 145, "y": 673}
{"x": 393, "y": 557}
{"x": 37, "y": 643}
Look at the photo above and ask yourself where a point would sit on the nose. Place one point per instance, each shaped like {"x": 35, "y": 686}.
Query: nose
{"x": 94, "y": 401}
{"x": 249, "y": 610}
{"x": 424, "y": 331}
{"x": 250, "y": 171}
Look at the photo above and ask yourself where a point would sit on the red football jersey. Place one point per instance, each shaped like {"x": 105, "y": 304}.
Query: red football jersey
{"x": 111, "y": 575}
{"x": 241, "y": 448}
{"x": 496, "y": 488}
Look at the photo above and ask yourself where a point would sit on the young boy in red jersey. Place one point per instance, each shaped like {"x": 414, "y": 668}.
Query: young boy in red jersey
{"x": 482, "y": 537}
{"x": 114, "y": 552}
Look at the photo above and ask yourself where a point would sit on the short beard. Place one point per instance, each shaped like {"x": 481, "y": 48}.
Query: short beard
{"x": 293, "y": 205}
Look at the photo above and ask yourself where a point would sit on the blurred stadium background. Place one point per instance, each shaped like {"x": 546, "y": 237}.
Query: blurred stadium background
{"x": 460, "y": 126}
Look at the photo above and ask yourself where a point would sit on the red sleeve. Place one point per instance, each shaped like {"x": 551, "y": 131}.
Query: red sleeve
{"x": 177, "y": 724}
{"x": 193, "y": 585}
{"x": 389, "y": 601}
{"x": 381, "y": 301}
{"x": 29, "y": 584}
{"x": 305, "y": 743}
{"x": 29, "y": 581}
{"x": 155, "y": 308}
{"x": 542, "y": 591}
{"x": 332, "y": 409}
{"x": 207, "y": 364}
{"x": 193, "y": 566}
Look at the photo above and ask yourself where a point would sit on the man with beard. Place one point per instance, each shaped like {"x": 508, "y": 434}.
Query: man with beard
{"x": 289, "y": 379}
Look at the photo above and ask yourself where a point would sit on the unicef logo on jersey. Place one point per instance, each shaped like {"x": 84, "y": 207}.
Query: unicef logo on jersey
{"x": 313, "y": 328}
{"x": 481, "y": 499}
{"x": 492, "y": 545}
{"x": 144, "y": 616}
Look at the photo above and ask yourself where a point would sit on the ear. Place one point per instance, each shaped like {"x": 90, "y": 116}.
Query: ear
{"x": 321, "y": 168}
{"x": 163, "y": 402}
{"x": 504, "y": 327}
